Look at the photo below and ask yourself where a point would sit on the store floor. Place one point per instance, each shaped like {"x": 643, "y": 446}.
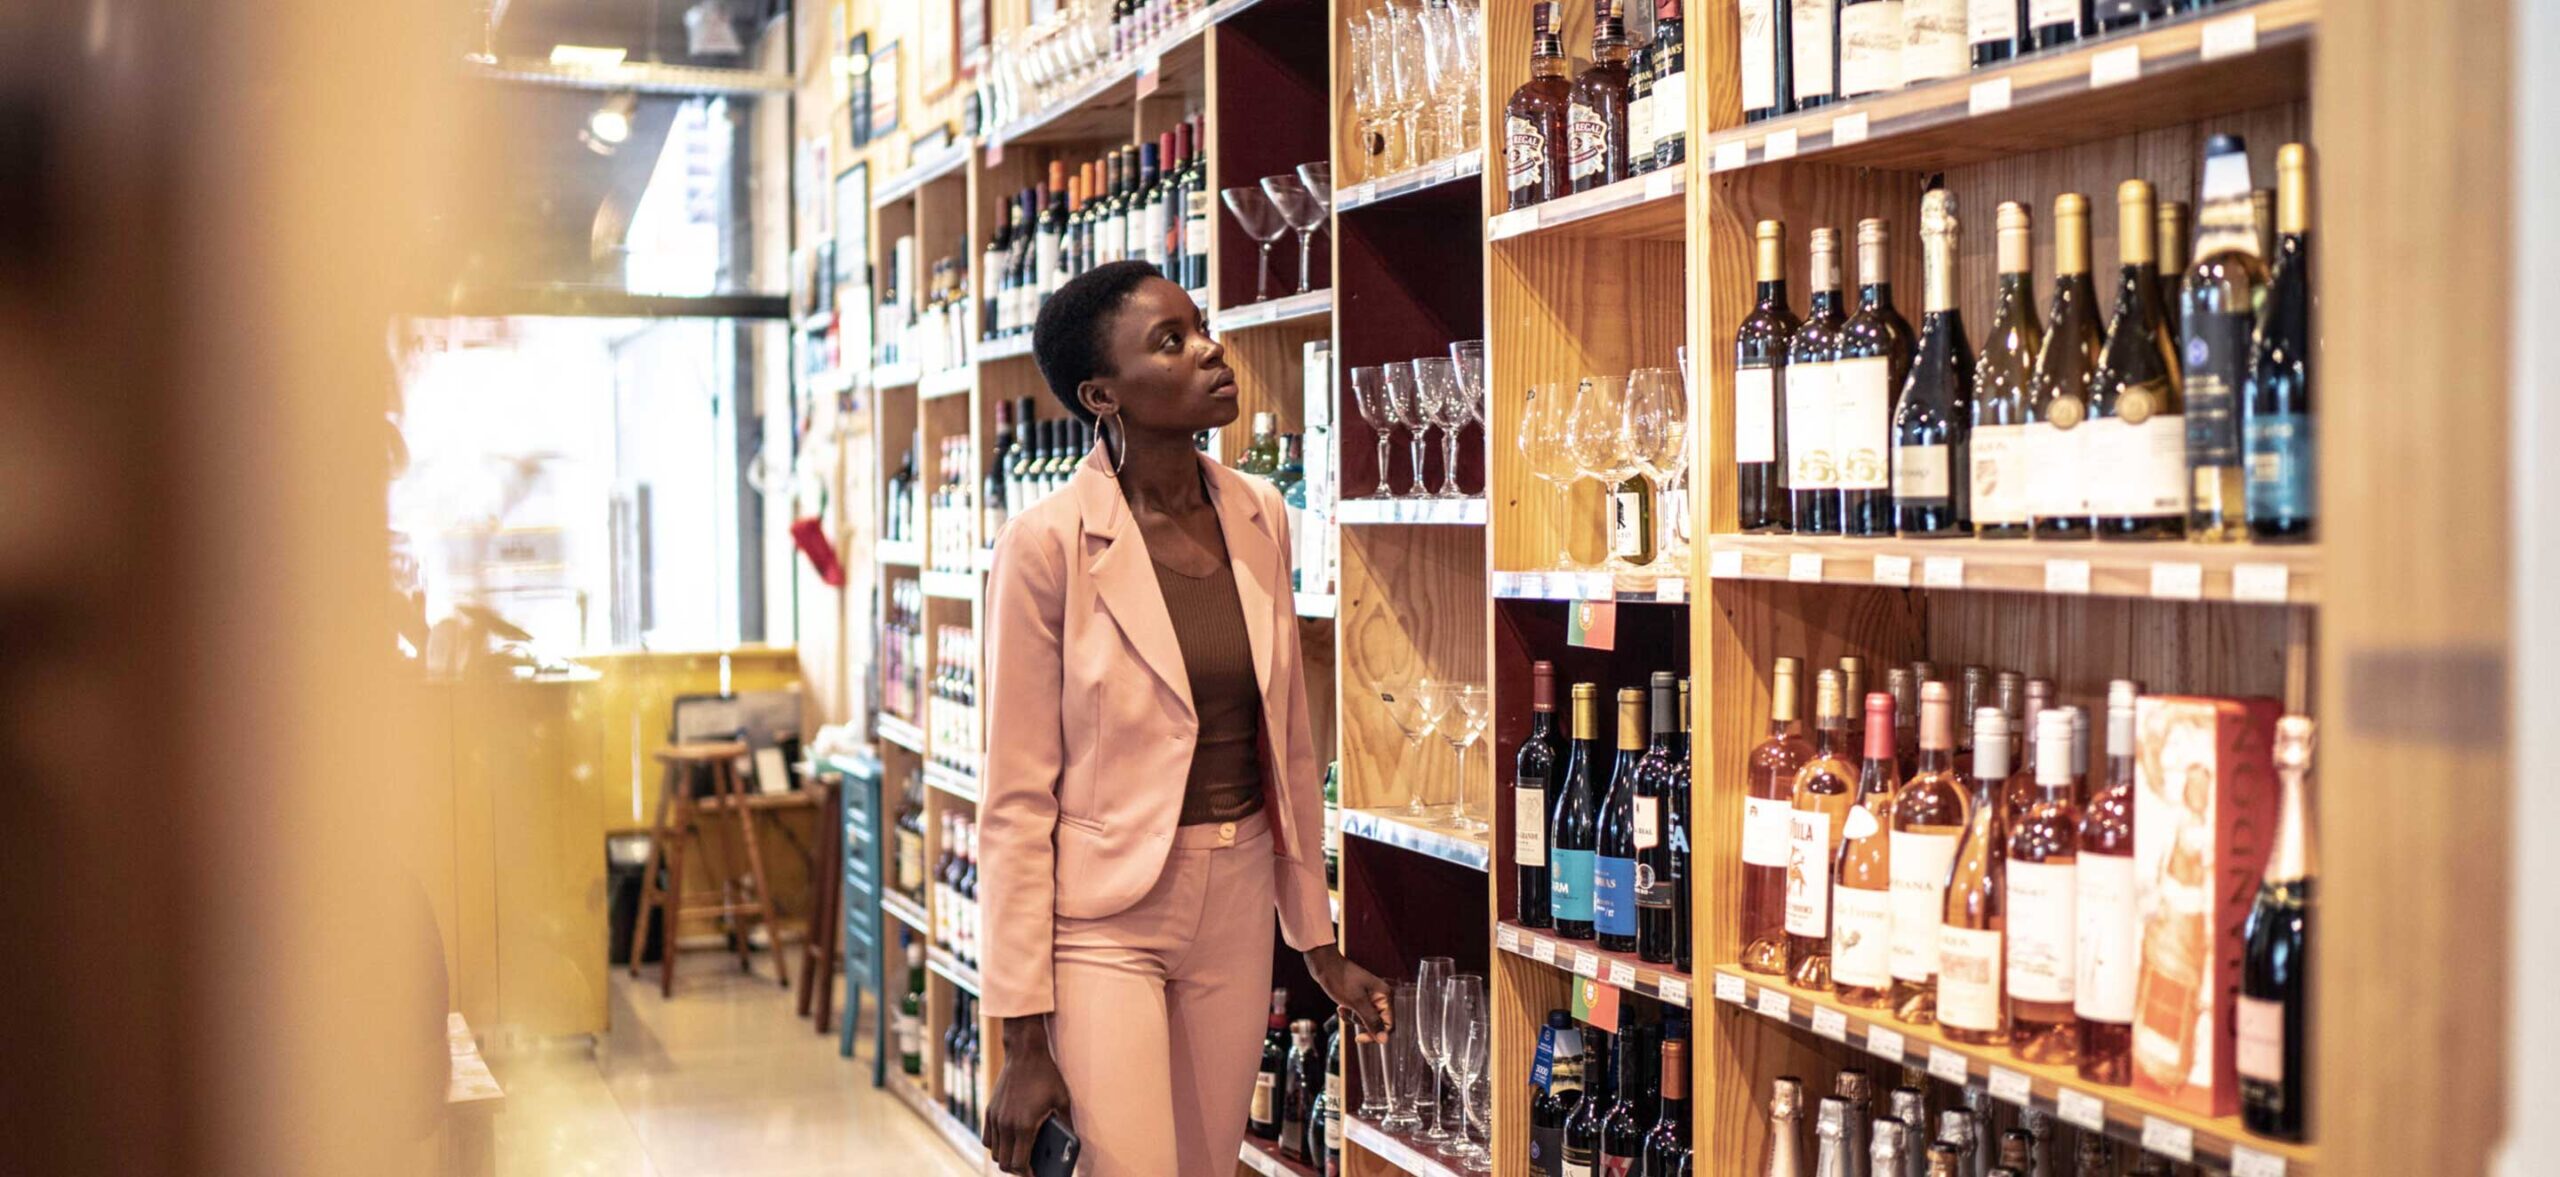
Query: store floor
{"x": 719, "y": 1079}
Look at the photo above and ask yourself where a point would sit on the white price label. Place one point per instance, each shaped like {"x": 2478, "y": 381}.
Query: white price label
{"x": 1150, "y": 74}
{"x": 1508, "y": 937}
{"x": 1622, "y": 975}
{"x": 995, "y": 151}
{"x": 1946, "y": 1064}
{"x": 1989, "y": 96}
{"x": 1530, "y": 585}
{"x": 1543, "y": 950}
{"x": 2080, "y": 1109}
{"x": 1724, "y": 565}
{"x": 1848, "y": 129}
{"x": 1780, "y": 145}
{"x": 2263, "y": 584}
{"x": 1884, "y": 1042}
{"x": 1894, "y": 570}
{"x": 1586, "y": 965}
{"x": 2115, "y": 66}
{"x": 1598, "y": 586}
{"x": 1676, "y": 991}
{"x": 2230, "y": 37}
{"x": 1671, "y": 590}
{"x": 2011, "y": 1086}
{"x": 2067, "y": 576}
{"x": 1661, "y": 184}
{"x": 1359, "y": 194}
{"x": 2168, "y": 1138}
{"x": 1830, "y": 1023}
{"x": 2249, "y": 1162}
{"x": 1729, "y": 988}
{"x": 1773, "y": 1004}
{"x": 1804, "y": 567}
{"x": 2177, "y": 582}
{"x": 1732, "y": 154}
{"x": 1513, "y": 223}
{"x": 1945, "y": 572}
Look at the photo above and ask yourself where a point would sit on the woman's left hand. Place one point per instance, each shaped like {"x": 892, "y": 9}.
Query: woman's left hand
{"x": 1356, "y": 990}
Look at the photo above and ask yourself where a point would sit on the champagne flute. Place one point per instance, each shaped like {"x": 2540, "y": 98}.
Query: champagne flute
{"x": 1404, "y": 1055}
{"x": 1365, "y": 116}
{"x": 1407, "y": 62}
{"x": 1462, "y": 1010}
{"x": 1431, "y": 982}
{"x": 1470, "y": 708}
{"x": 1369, "y": 391}
{"x": 1261, "y": 220}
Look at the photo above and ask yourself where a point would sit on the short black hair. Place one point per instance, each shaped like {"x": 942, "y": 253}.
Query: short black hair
{"x": 1070, "y": 338}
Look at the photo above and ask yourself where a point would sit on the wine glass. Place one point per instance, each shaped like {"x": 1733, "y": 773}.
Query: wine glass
{"x": 1657, "y": 429}
{"x": 1404, "y": 1056}
{"x": 1546, "y": 417}
{"x": 1302, "y": 211}
{"x": 1462, "y": 1052}
{"x": 1318, "y": 177}
{"x": 1445, "y": 404}
{"x": 1405, "y": 394}
{"x": 1369, "y": 391}
{"x": 1261, "y": 221}
{"x": 1469, "y": 356}
{"x": 1415, "y": 706}
{"x": 1431, "y": 987}
{"x": 1470, "y": 706}
{"x": 1597, "y": 438}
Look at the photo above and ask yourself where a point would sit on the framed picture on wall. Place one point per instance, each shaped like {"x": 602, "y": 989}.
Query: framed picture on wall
{"x": 857, "y": 89}
{"x": 882, "y": 78}
{"x": 973, "y": 34}
{"x": 853, "y": 224}
{"x": 937, "y": 47}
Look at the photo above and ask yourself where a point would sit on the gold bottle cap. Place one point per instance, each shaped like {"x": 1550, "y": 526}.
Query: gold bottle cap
{"x": 1631, "y": 717}
{"x": 2173, "y": 236}
{"x": 1937, "y": 250}
{"x": 2016, "y": 228}
{"x": 1782, "y": 691}
{"x": 2293, "y": 188}
{"x": 1827, "y": 698}
{"x": 2070, "y": 234}
{"x": 1773, "y": 251}
{"x": 2134, "y": 222}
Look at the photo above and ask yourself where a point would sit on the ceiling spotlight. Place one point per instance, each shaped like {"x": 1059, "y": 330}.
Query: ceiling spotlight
{"x": 610, "y": 124}
{"x": 709, "y": 31}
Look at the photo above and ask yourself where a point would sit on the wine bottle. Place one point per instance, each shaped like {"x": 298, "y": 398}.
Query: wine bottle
{"x": 2058, "y": 397}
{"x": 1910, "y": 1108}
{"x": 2137, "y": 443}
{"x": 1263, "y": 1119}
{"x": 1830, "y": 1137}
{"x": 1324, "y": 1123}
{"x": 1933, "y": 40}
{"x": 1639, "y": 101}
{"x": 2040, "y": 879}
{"x": 1905, "y": 690}
{"x": 1554, "y": 1101}
{"x": 1809, "y": 53}
{"x": 1533, "y": 772}
{"x": 1818, "y": 812}
{"x": 1813, "y": 464}
{"x": 1622, "y": 1129}
{"x": 1852, "y": 1086}
{"x": 1675, "y": 834}
{"x": 2275, "y": 969}
{"x": 2106, "y": 954}
{"x": 2218, "y": 308}
{"x": 1786, "y": 1129}
{"x": 1574, "y": 835}
{"x": 2275, "y": 422}
{"x": 1933, "y": 418}
{"x": 1596, "y": 122}
{"x": 1197, "y": 198}
{"x": 1871, "y": 33}
{"x": 1533, "y": 124}
{"x": 1974, "y": 685}
{"x": 1297, "y": 1092}
{"x": 1763, "y": 81}
{"x": 2173, "y": 264}
{"x": 1862, "y": 874}
{"x": 1670, "y": 86}
{"x": 1853, "y": 687}
{"x": 2019, "y": 795}
{"x": 1658, "y": 931}
{"x": 2017, "y": 1151}
{"x": 1668, "y": 1140}
{"x": 2056, "y": 23}
{"x": 1874, "y": 359}
{"x": 1929, "y": 816}
{"x": 1971, "y": 1007}
{"x": 1890, "y": 1155}
{"x": 1947, "y": 1159}
{"x": 1613, "y": 898}
{"x": 1769, "y": 786}
{"x": 2002, "y": 382}
{"x": 1582, "y": 1127}
{"x": 1760, "y": 362}
{"x": 1999, "y": 30}
{"x": 2115, "y": 15}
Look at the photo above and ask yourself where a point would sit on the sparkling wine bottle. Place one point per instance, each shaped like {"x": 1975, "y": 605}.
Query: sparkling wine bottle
{"x": 2275, "y": 971}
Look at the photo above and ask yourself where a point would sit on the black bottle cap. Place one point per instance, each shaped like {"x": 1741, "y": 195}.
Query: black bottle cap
{"x": 2225, "y": 145}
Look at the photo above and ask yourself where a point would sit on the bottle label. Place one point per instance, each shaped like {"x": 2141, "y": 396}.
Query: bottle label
{"x": 2137, "y": 468}
{"x": 1933, "y": 41}
{"x": 1671, "y": 104}
{"x": 1813, "y": 43}
{"x": 1920, "y": 474}
{"x": 2041, "y": 930}
{"x": 1919, "y": 869}
{"x": 1759, "y": 54}
{"x": 1569, "y": 884}
{"x": 1811, "y": 464}
{"x": 1613, "y": 1165}
{"x": 1195, "y": 235}
{"x": 1862, "y": 421}
{"x": 1969, "y": 978}
{"x": 1630, "y": 521}
{"x": 1991, "y": 20}
{"x": 2258, "y": 1050}
{"x": 1870, "y": 47}
{"x": 1655, "y": 890}
{"x": 1861, "y": 937}
{"x": 1640, "y": 126}
{"x": 1262, "y": 1084}
{"x": 2217, "y": 355}
{"x": 1999, "y": 474}
{"x": 2105, "y": 956}
{"x": 1755, "y": 420}
{"x": 1546, "y": 1151}
{"x": 1764, "y": 831}
{"x": 2045, "y": 13}
{"x": 1577, "y": 1162}
{"x": 2279, "y": 463}
{"x": 2057, "y": 472}
{"x": 1648, "y": 814}
{"x": 1808, "y": 873}
{"x": 1586, "y": 142}
{"x": 1524, "y": 156}
{"x": 1529, "y": 822}
{"x": 1613, "y": 896}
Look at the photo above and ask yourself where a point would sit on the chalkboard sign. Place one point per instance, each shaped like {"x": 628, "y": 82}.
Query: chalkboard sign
{"x": 858, "y": 808}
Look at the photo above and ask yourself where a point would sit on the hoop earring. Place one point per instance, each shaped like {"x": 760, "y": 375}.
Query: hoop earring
{"x": 1115, "y": 455}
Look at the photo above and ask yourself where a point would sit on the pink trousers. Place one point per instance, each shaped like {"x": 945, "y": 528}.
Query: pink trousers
{"x": 1161, "y": 1009}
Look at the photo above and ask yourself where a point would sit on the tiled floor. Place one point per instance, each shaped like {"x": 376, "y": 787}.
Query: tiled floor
{"x": 720, "y": 1079}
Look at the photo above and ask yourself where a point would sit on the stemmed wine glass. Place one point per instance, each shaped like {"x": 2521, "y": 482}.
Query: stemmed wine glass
{"x": 1405, "y": 394}
{"x": 1598, "y": 439}
{"x": 1416, "y": 707}
{"x": 1302, "y": 211}
{"x": 1468, "y": 354}
{"x": 1546, "y": 420}
{"x": 1431, "y": 987}
{"x": 1462, "y": 1053}
{"x": 1369, "y": 391}
{"x": 1318, "y": 177}
{"x": 1443, "y": 67}
{"x": 1657, "y": 416}
{"x": 1470, "y": 707}
{"x": 1262, "y": 222}
{"x": 1446, "y": 406}
{"x": 1407, "y": 61}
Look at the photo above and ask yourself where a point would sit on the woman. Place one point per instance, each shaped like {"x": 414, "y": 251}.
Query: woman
{"x": 1151, "y": 794}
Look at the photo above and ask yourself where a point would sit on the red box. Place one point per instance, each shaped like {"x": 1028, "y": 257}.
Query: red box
{"x": 2204, "y": 817}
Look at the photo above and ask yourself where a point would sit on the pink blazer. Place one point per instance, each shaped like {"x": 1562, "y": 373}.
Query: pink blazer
{"x": 1090, "y": 725}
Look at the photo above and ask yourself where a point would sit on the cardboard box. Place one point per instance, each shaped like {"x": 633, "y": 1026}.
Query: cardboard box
{"x": 2204, "y": 817}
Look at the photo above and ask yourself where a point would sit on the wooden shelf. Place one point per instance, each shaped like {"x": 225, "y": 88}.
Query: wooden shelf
{"x": 1637, "y": 588}
{"x": 949, "y": 968}
{"x": 1431, "y": 838}
{"x": 946, "y": 585}
{"x": 1428, "y": 512}
{"x": 973, "y": 1153}
{"x": 2267, "y": 574}
{"x": 946, "y": 162}
{"x": 2097, "y": 89}
{"x": 956, "y": 380}
{"x": 1176, "y": 59}
{"x": 1618, "y": 970}
{"x": 963, "y": 785}
{"x": 901, "y": 554}
{"x": 2122, "y": 1112}
{"x": 1650, "y": 207}
{"x": 1290, "y": 309}
{"x": 1264, "y": 1158}
{"x": 899, "y": 375}
{"x": 900, "y": 732}
{"x": 1003, "y": 347}
{"x": 1463, "y": 166}
{"x": 907, "y": 912}
{"x": 1411, "y": 1156}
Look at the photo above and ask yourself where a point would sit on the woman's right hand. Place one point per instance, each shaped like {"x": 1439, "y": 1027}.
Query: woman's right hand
{"x": 1028, "y": 1091}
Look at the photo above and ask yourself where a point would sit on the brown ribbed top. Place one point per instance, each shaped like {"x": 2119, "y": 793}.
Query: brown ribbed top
{"x": 1226, "y": 765}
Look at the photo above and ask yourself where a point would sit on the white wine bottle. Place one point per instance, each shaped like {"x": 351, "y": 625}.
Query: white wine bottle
{"x": 2002, "y": 380}
{"x": 2218, "y": 306}
{"x": 2137, "y": 443}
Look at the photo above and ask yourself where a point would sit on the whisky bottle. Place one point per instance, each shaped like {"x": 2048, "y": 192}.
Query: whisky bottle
{"x": 1786, "y": 1129}
{"x": 1640, "y": 101}
{"x": 2275, "y": 421}
{"x": 1768, "y": 797}
{"x": 1862, "y": 875}
{"x": 1874, "y": 359}
{"x": 2218, "y": 307}
{"x": 2137, "y": 442}
{"x": 1596, "y": 122}
{"x": 1971, "y": 1006}
{"x": 2058, "y": 394}
{"x": 2001, "y": 386}
{"x": 1929, "y": 815}
{"x": 1534, "y": 134}
{"x": 2275, "y": 968}
{"x": 1825, "y": 788}
{"x": 1933, "y": 418}
{"x": 1760, "y": 362}
{"x": 2041, "y": 883}
{"x": 1813, "y": 461}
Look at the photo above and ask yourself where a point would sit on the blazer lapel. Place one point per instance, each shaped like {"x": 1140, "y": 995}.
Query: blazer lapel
{"x": 1125, "y": 578}
{"x": 1254, "y": 554}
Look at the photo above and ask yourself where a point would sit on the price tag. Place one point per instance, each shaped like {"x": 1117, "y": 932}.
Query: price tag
{"x": 1676, "y": 991}
{"x": 1585, "y": 964}
{"x": 2249, "y": 1162}
{"x": 1622, "y": 974}
{"x": 1894, "y": 570}
{"x": 1671, "y": 590}
{"x": 1598, "y": 586}
{"x": 2115, "y": 66}
{"x": 1945, "y": 572}
{"x": 1989, "y": 96}
{"x": 1150, "y": 74}
{"x": 1729, "y": 988}
{"x": 1773, "y": 1004}
{"x": 1529, "y": 584}
{"x": 1508, "y": 937}
{"x": 1513, "y": 223}
{"x": 1830, "y": 1023}
{"x": 2177, "y": 582}
{"x": 1848, "y": 129}
{"x": 1804, "y": 567}
{"x": 1947, "y": 1065}
{"x": 1780, "y": 145}
{"x": 2081, "y": 1109}
{"x": 2011, "y": 1086}
{"x": 1725, "y": 565}
{"x": 2067, "y": 576}
{"x": 2169, "y": 1139}
{"x": 1884, "y": 1042}
{"x": 2230, "y": 37}
{"x": 995, "y": 151}
{"x": 2263, "y": 584}
{"x": 1662, "y": 183}
{"x": 1731, "y": 154}
{"x": 1543, "y": 951}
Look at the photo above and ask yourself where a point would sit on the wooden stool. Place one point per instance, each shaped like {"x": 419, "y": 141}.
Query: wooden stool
{"x": 677, "y": 827}
{"x": 826, "y": 916}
